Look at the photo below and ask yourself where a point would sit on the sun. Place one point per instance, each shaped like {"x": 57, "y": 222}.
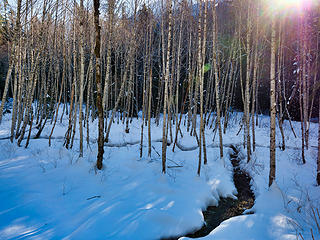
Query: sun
{"x": 290, "y": 3}
{"x": 298, "y": 5}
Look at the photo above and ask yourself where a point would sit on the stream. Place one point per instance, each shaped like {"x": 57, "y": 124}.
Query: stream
{"x": 227, "y": 207}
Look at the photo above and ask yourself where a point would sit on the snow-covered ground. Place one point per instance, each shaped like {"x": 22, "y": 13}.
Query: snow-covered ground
{"x": 51, "y": 193}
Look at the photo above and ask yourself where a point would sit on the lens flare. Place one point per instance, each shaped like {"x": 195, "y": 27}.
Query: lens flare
{"x": 296, "y": 5}
{"x": 289, "y": 3}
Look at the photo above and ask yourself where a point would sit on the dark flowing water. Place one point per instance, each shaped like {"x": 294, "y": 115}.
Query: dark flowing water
{"x": 227, "y": 207}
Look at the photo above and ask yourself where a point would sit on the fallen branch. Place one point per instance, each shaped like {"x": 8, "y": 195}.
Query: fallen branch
{"x": 98, "y": 196}
{"x": 174, "y": 166}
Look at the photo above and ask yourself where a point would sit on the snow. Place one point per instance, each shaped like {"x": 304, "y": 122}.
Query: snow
{"x": 267, "y": 222}
{"x": 51, "y": 193}
{"x": 285, "y": 209}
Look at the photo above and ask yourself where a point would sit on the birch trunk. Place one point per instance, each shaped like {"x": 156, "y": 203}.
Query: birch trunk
{"x": 272, "y": 173}
{"x": 82, "y": 73}
{"x": 165, "y": 102}
{"x": 247, "y": 88}
{"x": 216, "y": 76}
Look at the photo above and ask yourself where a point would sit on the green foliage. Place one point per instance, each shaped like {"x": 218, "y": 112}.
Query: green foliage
{"x": 206, "y": 67}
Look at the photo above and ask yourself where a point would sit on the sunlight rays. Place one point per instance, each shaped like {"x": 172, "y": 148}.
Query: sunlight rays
{"x": 289, "y": 5}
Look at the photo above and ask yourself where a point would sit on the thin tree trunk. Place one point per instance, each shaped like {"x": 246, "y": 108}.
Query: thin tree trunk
{"x": 118, "y": 99}
{"x": 254, "y": 84}
{"x": 305, "y": 89}
{"x": 280, "y": 114}
{"x": 96, "y": 5}
{"x": 318, "y": 159}
{"x": 272, "y": 173}
{"x": 149, "y": 111}
{"x": 6, "y": 86}
{"x": 216, "y": 76}
{"x": 30, "y": 91}
{"x": 17, "y": 78}
{"x": 301, "y": 98}
{"x": 200, "y": 86}
{"x": 31, "y": 122}
{"x": 108, "y": 63}
{"x": 165, "y": 102}
{"x": 82, "y": 73}
{"x": 16, "y": 39}
{"x": 150, "y": 89}
{"x": 247, "y": 88}
{"x": 57, "y": 111}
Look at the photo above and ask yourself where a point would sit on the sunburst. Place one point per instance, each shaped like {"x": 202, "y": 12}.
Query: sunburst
{"x": 298, "y": 5}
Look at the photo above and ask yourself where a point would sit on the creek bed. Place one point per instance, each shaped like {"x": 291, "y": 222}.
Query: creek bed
{"x": 227, "y": 207}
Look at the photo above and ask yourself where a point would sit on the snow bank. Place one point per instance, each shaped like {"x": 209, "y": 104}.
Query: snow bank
{"x": 49, "y": 193}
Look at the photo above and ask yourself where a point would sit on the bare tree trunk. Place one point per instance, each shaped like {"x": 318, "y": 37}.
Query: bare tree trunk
{"x": 96, "y": 5}
{"x": 191, "y": 65}
{"x": 6, "y": 86}
{"x": 149, "y": 111}
{"x": 285, "y": 104}
{"x": 231, "y": 83}
{"x": 68, "y": 133}
{"x": 203, "y": 59}
{"x": 145, "y": 61}
{"x": 301, "y": 98}
{"x": 280, "y": 111}
{"x": 272, "y": 173}
{"x": 178, "y": 69}
{"x": 166, "y": 81}
{"x": 200, "y": 86}
{"x": 118, "y": 98}
{"x": 17, "y": 78}
{"x": 318, "y": 160}
{"x": 130, "y": 90}
{"x": 30, "y": 94}
{"x": 57, "y": 111}
{"x": 82, "y": 73}
{"x": 216, "y": 76}
{"x": 16, "y": 38}
{"x": 254, "y": 84}
{"x": 150, "y": 88}
{"x": 88, "y": 103}
{"x": 31, "y": 122}
{"x": 316, "y": 73}
{"x": 301, "y": 118}
{"x": 75, "y": 79}
{"x": 247, "y": 88}
{"x": 305, "y": 89}
{"x": 181, "y": 114}
{"x": 108, "y": 63}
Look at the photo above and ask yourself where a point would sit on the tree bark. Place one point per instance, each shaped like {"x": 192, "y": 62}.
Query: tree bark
{"x": 247, "y": 88}
{"x": 272, "y": 173}
{"x": 318, "y": 160}
{"x": 165, "y": 102}
{"x": 96, "y": 5}
{"x": 216, "y": 76}
{"x": 82, "y": 73}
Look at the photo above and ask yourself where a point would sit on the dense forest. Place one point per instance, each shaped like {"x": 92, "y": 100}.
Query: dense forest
{"x": 159, "y": 57}
{"x": 174, "y": 64}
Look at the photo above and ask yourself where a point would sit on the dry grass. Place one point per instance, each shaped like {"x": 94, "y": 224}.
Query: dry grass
{"x": 316, "y": 219}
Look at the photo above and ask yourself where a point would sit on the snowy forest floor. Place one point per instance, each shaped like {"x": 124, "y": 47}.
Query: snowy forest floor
{"x": 51, "y": 193}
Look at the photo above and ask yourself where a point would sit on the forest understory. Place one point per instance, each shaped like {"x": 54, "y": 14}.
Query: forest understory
{"x": 160, "y": 119}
